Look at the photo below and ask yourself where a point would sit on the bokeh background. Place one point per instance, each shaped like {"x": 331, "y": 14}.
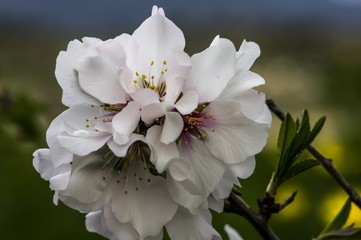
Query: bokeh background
{"x": 311, "y": 58}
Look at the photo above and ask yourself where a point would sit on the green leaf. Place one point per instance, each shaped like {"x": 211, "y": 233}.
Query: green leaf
{"x": 297, "y": 124}
{"x": 286, "y": 136}
{"x": 288, "y": 200}
{"x": 293, "y": 139}
{"x": 287, "y": 133}
{"x": 316, "y": 130}
{"x": 342, "y": 234}
{"x": 298, "y": 144}
{"x": 340, "y": 219}
{"x": 300, "y": 167}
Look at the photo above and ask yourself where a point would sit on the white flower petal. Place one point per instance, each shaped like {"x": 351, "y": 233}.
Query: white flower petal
{"x": 205, "y": 173}
{"x": 252, "y": 104}
{"x": 185, "y": 194}
{"x": 104, "y": 223}
{"x": 211, "y": 70}
{"x": 58, "y": 176}
{"x": 56, "y": 198}
{"x": 155, "y": 10}
{"x": 42, "y": 163}
{"x": 244, "y": 169}
{"x": 125, "y": 122}
{"x": 126, "y": 79}
{"x": 119, "y": 230}
{"x": 215, "y": 205}
{"x": 158, "y": 237}
{"x": 81, "y": 117}
{"x": 123, "y": 231}
{"x": 216, "y": 40}
{"x": 266, "y": 116}
{"x": 105, "y": 127}
{"x": 174, "y": 88}
{"x": 112, "y": 49}
{"x": 157, "y": 36}
{"x": 95, "y": 222}
{"x": 130, "y": 47}
{"x": 247, "y": 54}
{"x": 187, "y": 226}
{"x": 66, "y": 72}
{"x": 235, "y": 137}
{"x": 178, "y": 66}
{"x": 161, "y": 154}
{"x": 242, "y": 81}
{"x": 146, "y": 204}
{"x": 88, "y": 180}
{"x": 224, "y": 187}
{"x": 91, "y": 41}
{"x": 83, "y": 142}
{"x": 232, "y": 234}
{"x": 188, "y": 103}
{"x": 208, "y": 169}
{"x": 172, "y": 128}
{"x": 120, "y": 138}
{"x": 145, "y": 97}
{"x": 230, "y": 178}
{"x": 58, "y": 154}
{"x": 153, "y": 111}
{"x": 179, "y": 169}
{"x": 60, "y": 181}
{"x": 99, "y": 77}
{"x": 74, "y": 203}
{"x": 121, "y": 150}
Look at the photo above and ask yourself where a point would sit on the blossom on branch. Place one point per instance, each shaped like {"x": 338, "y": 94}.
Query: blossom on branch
{"x": 152, "y": 137}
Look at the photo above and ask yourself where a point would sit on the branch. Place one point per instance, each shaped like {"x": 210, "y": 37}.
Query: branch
{"x": 238, "y": 206}
{"x": 326, "y": 163}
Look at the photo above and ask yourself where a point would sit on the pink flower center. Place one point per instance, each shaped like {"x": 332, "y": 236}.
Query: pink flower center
{"x": 196, "y": 124}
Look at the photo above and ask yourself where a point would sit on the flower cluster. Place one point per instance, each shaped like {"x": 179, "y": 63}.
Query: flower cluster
{"x": 153, "y": 138}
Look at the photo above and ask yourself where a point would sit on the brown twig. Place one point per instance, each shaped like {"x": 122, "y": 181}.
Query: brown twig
{"x": 238, "y": 206}
{"x": 326, "y": 163}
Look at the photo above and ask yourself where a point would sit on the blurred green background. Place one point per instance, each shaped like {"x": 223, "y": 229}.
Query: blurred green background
{"x": 311, "y": 58}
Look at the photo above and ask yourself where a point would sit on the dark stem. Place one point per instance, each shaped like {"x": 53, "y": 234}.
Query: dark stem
{"x": 238, "y": 206}
{"x": 326, "y": 163}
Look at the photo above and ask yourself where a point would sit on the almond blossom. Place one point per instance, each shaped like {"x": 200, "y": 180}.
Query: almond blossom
{"x": 153, "y": 138}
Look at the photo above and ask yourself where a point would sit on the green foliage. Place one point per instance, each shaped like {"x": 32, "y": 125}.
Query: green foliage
{"x": 19, "y": 117}
{"x": 294, "y": 137}
{"x": 340, "y": 219}
{"x": 300, "y": 167}
{"x": 334, "y": 229}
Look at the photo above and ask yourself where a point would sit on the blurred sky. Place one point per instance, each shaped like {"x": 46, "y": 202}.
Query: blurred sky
{"x": 96, "y": 16}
